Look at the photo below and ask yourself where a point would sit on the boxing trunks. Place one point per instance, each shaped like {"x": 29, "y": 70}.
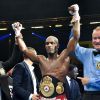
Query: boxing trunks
{"x": 51, "y": 89}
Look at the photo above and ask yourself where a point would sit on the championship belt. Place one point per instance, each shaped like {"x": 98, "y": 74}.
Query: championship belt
{"x": 51, "y": 87}
{"x": 46, "y": 86}
{"x": 60, "y": 88}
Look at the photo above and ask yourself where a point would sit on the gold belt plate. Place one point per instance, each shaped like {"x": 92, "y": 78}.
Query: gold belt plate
{"x": 47, "y": 87}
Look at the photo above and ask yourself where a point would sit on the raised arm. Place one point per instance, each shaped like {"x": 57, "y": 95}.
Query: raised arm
{"x": 15, "y": 58}
{"x": 76, "y": 31}
{"x": 17, "y": 27}
{"x": 73, "y": 10}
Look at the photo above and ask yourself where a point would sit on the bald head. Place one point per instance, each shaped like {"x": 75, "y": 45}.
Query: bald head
{"x": 96, "y": 38}
{"x": 97, "y": 29}
{"x": 51, "y": 45}
{"x": 52, "y": 38}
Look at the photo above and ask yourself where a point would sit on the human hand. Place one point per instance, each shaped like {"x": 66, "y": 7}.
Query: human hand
{"x": 2, "y": 71}
{"x": 74, "y": 10}
{"x": 84, "y": 80}
{"x": 35, "y": 97}
{"x": 17, "y": 27}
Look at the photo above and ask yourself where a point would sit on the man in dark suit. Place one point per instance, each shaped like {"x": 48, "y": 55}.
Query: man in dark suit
{"x": 5, "y": 67}
{"x": 24, "y": 80}
{"x": 72, "y": 87}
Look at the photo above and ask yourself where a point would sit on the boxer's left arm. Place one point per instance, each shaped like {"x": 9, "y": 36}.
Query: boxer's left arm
{"x": 76, "y": 32}
{"x": 76, "y": 28}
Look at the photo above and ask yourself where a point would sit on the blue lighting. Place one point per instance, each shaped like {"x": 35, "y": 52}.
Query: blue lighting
{"x": 58, "y": 31}
{"x": 5, "y": 36}
{"x": 40, "y": 37}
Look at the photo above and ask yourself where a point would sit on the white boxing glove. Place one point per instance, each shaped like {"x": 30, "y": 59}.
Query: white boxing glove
{"x": 17, "y": 27}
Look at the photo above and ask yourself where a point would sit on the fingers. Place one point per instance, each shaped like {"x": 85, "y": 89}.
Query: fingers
{"x": 76, "y": 7}
{"x": 80, "y": 78}
{"x": 73, "y": 9}
{"x": 35, "y": 97}
{"x": 17, "y": 26}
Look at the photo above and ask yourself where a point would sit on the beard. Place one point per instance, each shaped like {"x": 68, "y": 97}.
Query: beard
{"x": 55, "y": 51}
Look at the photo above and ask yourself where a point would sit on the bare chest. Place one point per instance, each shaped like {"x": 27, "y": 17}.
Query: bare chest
{"x": 54, "y": 67}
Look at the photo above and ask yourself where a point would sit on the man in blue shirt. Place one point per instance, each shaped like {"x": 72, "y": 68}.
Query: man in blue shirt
{"x": 90, "y": 57}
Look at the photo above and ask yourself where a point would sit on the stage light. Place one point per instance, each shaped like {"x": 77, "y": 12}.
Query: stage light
{"x": 50, "y": 26}
{"x": 38, "y": 27}
{"x": 39, "y": 36}
{"x": 5, "y": 36}
{"x": 3, "y": 29}
{"x": 59, "y": 25}
{"x": 94, "y": 22}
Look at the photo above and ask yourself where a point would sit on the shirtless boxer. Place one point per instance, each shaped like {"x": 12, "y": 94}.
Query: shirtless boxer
{"x": 54, "y": 68}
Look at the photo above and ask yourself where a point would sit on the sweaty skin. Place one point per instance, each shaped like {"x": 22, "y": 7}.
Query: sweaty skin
{"x": 55, "y": 65}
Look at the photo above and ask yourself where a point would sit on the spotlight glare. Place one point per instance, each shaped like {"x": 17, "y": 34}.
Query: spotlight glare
{"x": 58, "y": 25}
{"x": 94, "y": 22}
{"x": 38, "y": 27}
{"x": 10, "y": 34}
{"x": 3, "y": 29}
{"x": 50, "y": 26}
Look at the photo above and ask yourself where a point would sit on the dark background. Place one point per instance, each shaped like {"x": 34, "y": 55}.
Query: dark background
{"x": 40, "y": 9}
{"x": 46, "y": 13}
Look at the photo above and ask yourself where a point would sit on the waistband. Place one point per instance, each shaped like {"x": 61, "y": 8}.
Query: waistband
{"x": 60, "y": 97}
{"x": 51, "y": 87}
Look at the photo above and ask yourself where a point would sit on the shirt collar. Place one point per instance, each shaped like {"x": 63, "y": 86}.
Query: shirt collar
{"x": 30, "y": 66}
{"x": 68, "y": 78}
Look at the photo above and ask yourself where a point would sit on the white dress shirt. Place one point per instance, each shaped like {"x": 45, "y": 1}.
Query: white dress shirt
{"x": 31, "y": 68}
{"x": 68, "y": 79}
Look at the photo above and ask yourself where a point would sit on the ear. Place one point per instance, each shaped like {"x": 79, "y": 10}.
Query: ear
{"x": 58, "y": 45}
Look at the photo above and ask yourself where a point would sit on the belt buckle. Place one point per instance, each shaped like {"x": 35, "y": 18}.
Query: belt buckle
{"x": 47, "y": 87}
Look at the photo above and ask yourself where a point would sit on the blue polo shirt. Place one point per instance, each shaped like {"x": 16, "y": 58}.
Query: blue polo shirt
{"x": 91, "y": 66}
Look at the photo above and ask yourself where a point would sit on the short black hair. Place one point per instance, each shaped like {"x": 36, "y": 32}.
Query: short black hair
{"x": 30, "y": 48}
{"x": 71, "y": 67}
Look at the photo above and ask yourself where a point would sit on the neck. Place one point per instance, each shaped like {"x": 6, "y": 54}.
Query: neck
{"x": 52, "y": 56}
{"x": 28, "y": 61}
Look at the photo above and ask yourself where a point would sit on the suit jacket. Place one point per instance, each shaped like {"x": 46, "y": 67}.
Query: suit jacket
{"x": 7, "y": 65}
{"x": 73, "y": 91}
{"x": 5, "y": 92}
{"x": 16, "y": 57}
{"x": 22, "y": 82}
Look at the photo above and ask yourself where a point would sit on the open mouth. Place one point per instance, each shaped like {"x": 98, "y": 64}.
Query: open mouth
{"x": 97, "y": 44}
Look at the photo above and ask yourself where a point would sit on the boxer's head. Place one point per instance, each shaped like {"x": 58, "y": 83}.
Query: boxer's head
{"x": 51, "y": 45}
